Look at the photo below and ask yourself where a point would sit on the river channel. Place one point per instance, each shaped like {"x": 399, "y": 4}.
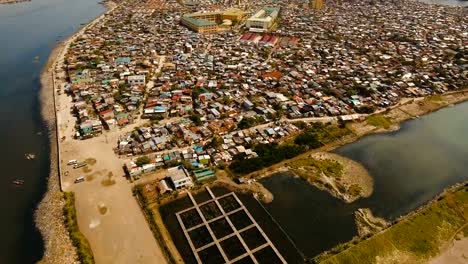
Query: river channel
{"x": 409, "y": 167}
{"x": 29, "y": 31}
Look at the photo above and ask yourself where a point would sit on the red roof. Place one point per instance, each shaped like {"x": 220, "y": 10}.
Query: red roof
{"x": 122, "y": 121}
{"x": 106, "y": 111}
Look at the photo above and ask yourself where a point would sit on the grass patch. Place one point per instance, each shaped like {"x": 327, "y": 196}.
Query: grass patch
{"x": 421, "y": 235}
{"x": 465, "y": 231}
{"x": 379, "y": 121}
{"x": 329, "y": 167}
{"x": 318, "y": 134}
{"x": 434, "y": 98}
{"x": 85, "y": 254}
{"x": 354, "y": 190}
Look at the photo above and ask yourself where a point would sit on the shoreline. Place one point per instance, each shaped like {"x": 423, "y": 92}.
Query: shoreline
{"x": 398, "y": 115}
{"x": 340, "y": 249}
{"x": 11, "y": 2}
{"x": 48, "y": 216}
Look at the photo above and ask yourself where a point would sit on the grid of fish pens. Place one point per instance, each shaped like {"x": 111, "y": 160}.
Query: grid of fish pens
{"x": 221, "y": 230}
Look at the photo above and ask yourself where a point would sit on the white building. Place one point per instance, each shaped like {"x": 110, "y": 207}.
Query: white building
{"x": 136, "y": 80}
{"x": 263, "y": 20}
{"x": 180, "y": 177}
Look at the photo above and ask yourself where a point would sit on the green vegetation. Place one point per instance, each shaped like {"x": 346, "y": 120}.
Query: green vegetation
{"x": 147, "y": 206}
{"x": 247, "y": 122}
{"x": 196, "y": 119}
{"x": 300, "y": 124}
{"x": 268, "y": 154}
{"x": 142, "y": 161}
{"x": 434, "y": 98}
{"x": 85, "y": 254}
{"x": 215, "y": 142}
{"x": 465, "y": 231}
{"x": 378, "y": 120}
{"x": 354, "y": 190}
{"x": 319, "y": 134}
{"x": 331, "y": 168}
{"x": 419, "y": 237}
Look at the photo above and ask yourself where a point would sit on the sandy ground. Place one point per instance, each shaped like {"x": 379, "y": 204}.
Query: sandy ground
{"x": 456, "y": 254}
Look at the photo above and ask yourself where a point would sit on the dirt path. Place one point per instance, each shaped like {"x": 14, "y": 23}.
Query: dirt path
{"x": 454, "y": 251}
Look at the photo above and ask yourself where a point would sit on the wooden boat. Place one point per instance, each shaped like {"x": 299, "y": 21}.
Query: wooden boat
{"x": 30, "y": 156}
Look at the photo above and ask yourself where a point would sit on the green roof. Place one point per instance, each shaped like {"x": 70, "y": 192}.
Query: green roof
{"x": 199, "y": 22}
{"x": 203, "y": 174}
{"x": 270, "y": 9}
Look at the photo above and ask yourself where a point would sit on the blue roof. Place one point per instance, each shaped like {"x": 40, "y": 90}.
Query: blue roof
{"x": 123, "y": 60}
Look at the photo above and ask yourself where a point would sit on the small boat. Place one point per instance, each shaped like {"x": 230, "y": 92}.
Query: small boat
{"x": 18, "y": 182}
{"x": 30, "y": 156}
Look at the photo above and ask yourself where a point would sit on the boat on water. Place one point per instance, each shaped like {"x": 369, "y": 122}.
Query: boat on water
{"x": 18, "y": 182}
{"x": 30, "y": 156}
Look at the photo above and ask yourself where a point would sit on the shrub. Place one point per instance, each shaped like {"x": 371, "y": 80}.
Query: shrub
{"x": 142, "y": 161}
{"x": 85, "y": 254}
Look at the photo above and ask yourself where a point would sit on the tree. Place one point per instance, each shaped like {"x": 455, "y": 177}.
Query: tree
{"x": 196, "y": 119}
{"x": 215, "y": 142}
{"x": 142, "y": 161}
{"x": 247, "y": 122}
{"x": 365, "y": 109}
{"x": 308, "y": 138}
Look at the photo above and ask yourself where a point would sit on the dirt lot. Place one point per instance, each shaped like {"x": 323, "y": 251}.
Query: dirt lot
{"x": 108, "y": 214}
{"x": 457, "y": 254}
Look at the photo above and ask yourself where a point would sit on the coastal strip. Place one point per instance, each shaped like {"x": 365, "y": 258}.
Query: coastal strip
{"x": 415, "y": 238}
{"x": 9, "y": 2}
{"x": 49, "y": 213}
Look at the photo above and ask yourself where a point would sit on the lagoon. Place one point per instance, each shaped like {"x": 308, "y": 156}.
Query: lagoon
{"x": 409, "y": 167}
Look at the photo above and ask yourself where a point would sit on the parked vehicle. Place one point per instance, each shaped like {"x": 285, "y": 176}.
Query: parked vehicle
{"x": 79, "y": 179}
{"x": 72, "y": 162}
{"x": 79, "y": 165}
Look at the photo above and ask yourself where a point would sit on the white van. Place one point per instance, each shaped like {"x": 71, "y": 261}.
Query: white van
{"x": 79, "y": 179}
{"x": 72, "y": 162}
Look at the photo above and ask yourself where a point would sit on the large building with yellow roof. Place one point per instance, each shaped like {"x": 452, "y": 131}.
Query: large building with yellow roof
{"x": 209, "y": 22}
